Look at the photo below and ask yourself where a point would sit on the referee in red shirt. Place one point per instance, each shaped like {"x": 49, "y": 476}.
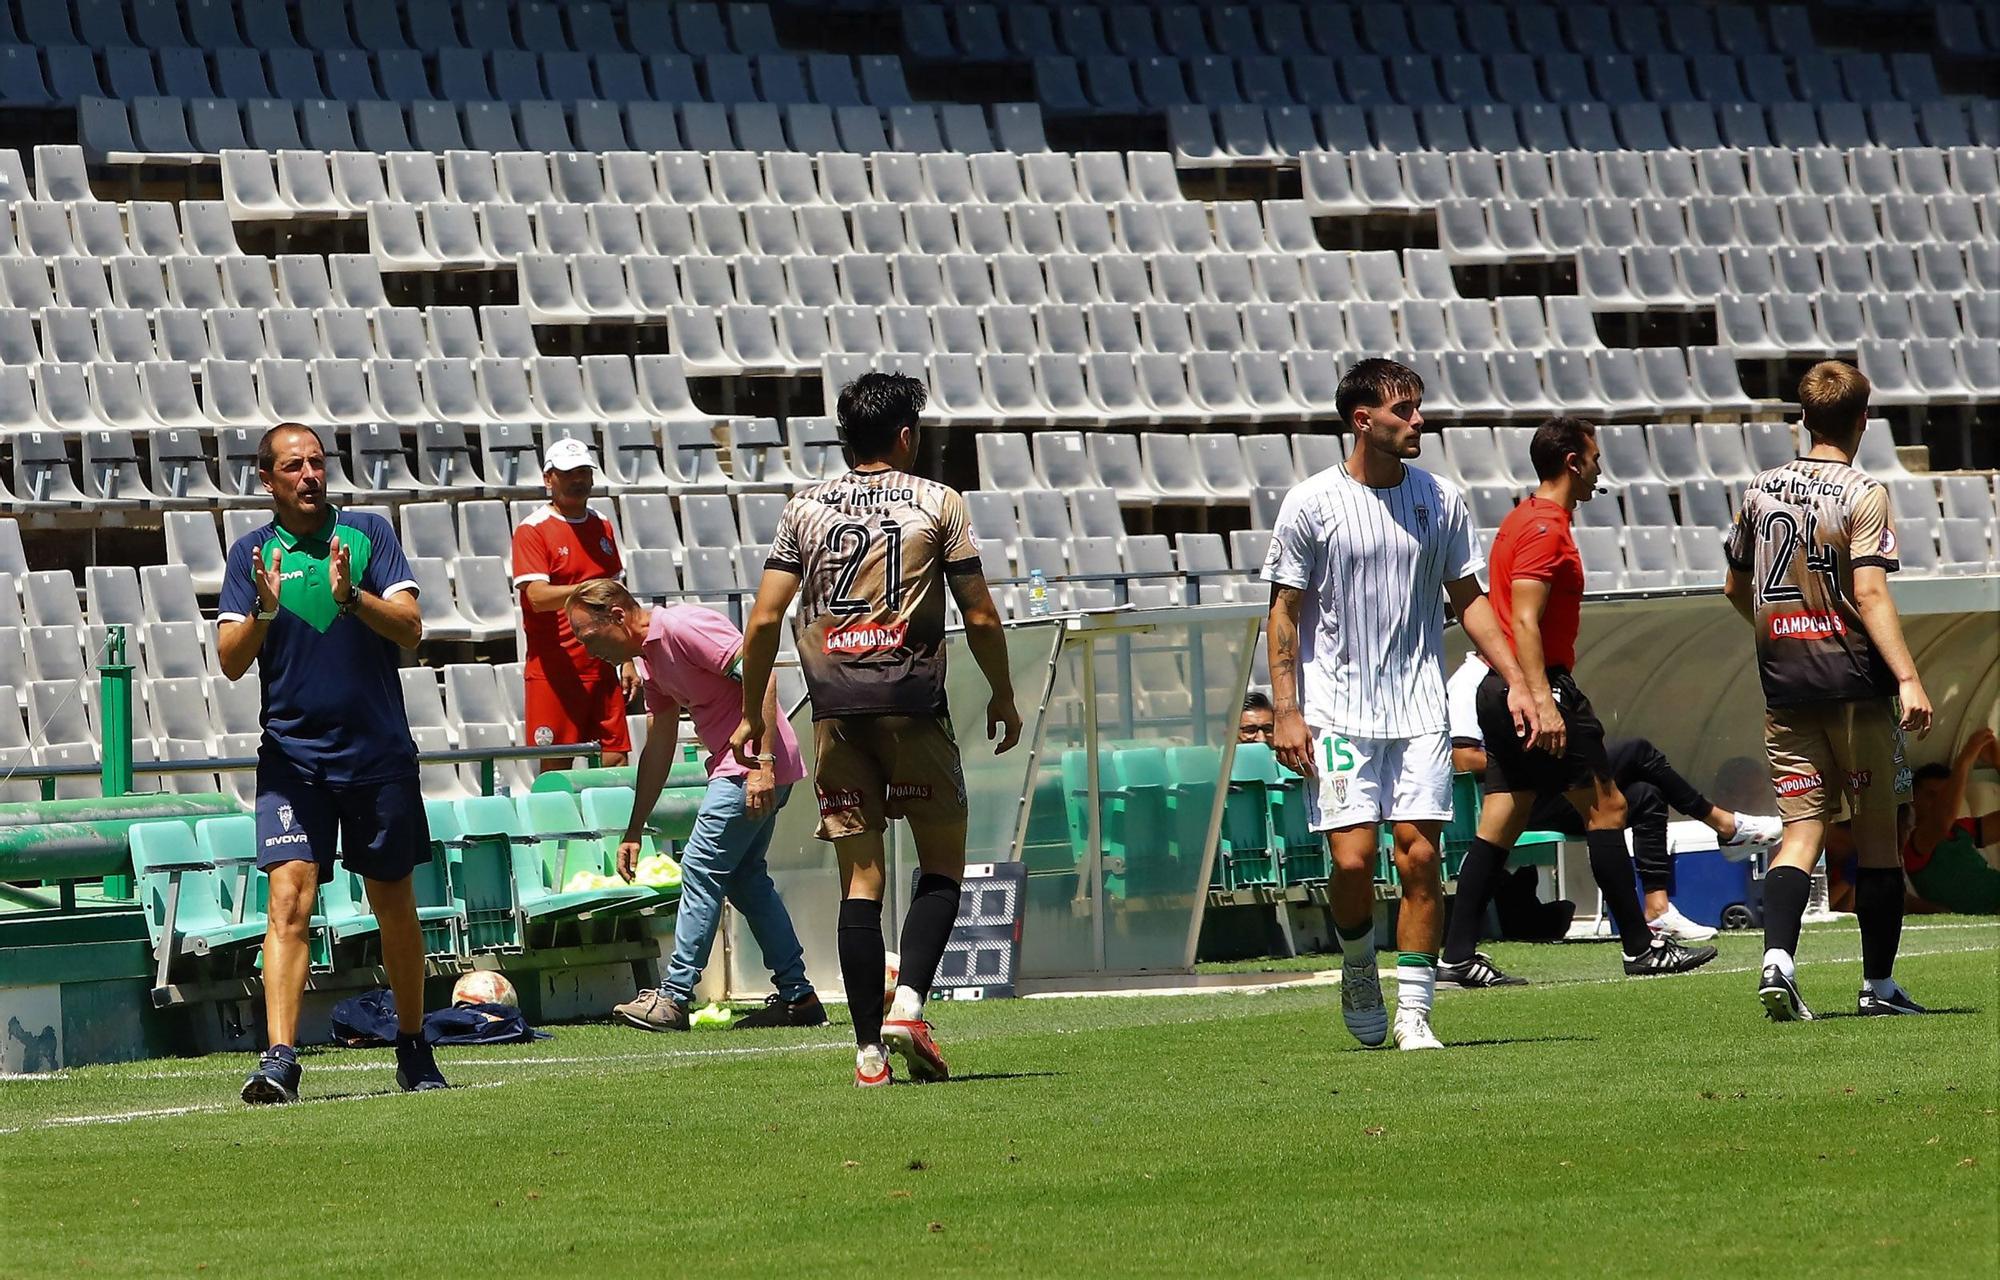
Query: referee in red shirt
{"x": 571, "y": 696}
{"x": 1537, "y": 593}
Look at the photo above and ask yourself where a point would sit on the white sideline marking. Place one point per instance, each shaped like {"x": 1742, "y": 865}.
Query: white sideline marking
{"x": 755, "y": 1051}
{"x": 126, "y": 1117}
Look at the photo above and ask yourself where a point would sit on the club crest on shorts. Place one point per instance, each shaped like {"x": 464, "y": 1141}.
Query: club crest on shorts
{"x": 544, "y": 735}
{"x": 285, "y": 816}
{"x": 1339, "y": 787}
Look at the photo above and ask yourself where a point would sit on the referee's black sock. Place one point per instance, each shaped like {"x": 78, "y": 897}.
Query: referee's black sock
{"x": 862, "y": 961}
{"x": 1484, "y": 862}
{"x": 1878, "y": 909}
{"x": 926, "y": 929}
{"x": 1786, "y": 891}
{"x": 1611, "y": 867}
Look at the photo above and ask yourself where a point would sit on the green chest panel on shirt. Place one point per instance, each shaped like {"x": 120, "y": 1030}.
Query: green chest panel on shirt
{"x": 306, "y": 590}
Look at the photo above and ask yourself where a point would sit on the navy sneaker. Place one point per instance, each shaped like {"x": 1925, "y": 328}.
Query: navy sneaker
{"x": 416, "y": 1069}
{"x": 275, "y": 1081}
{"x": 1870, "y": 1005}
{"x": 1780, "y": 996}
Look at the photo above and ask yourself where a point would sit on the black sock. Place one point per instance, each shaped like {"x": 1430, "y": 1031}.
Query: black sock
{"x": 284, "y": 1051}
{"x": 1786, "y": 890}
{"x": 926, "y": 929}
{"x": 1477, "y": 876}
{"x": 1611, "y": 867}
{"x": 1878, "y": 908}
{"x": 862, "y": 959}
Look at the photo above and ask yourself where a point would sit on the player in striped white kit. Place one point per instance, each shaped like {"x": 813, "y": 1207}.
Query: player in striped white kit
{"x": 1361, "y": 561}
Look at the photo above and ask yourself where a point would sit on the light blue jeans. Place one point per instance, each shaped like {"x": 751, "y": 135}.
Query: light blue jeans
{"x": 725, "y": 858}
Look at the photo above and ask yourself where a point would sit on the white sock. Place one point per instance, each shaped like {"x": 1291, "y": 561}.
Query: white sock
{"x": 1783, "y": 959}
{"x": 1416, "y": 987}
{"x": 1883, "y": 988}
{"x": 907, "y": 1007}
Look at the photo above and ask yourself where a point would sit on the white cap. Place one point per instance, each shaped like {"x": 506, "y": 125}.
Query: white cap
{"x": 567, "y": 454}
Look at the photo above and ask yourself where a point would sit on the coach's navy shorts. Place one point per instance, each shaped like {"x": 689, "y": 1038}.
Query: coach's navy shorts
{"x": 377, "y": 828}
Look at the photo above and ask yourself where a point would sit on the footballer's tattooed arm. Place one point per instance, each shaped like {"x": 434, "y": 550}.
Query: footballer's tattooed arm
{"x": 1290, "y": 738}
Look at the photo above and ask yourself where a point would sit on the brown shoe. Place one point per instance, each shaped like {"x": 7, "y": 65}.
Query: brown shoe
{"x": 805, "y": 1012}
{"x": 651, "y": 1011}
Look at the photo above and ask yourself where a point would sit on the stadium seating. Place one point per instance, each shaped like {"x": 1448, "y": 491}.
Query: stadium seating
{"x": 448, "y": 234}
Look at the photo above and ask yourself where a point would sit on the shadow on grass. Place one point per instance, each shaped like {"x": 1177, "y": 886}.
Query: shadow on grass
{"x": 1955, "y": 1012}
{"x": 1002, "y": 1075}
{"x": 1489, "y": 1044}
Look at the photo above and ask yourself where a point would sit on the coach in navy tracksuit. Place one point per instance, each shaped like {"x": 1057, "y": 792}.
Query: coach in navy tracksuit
{"x": 322, "y": 600}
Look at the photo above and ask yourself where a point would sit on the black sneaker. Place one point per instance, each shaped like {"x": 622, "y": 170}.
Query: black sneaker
{"x": 1667, "y": 956}
{"x": 416, "y": 1068}
{"x": 1782, "y": 1002}
{"x": 275, "y": 1081}
{"x": 806, "y": 1011}
{"x": 1479, "y": 971}
{"x": 1870, "y": 1005}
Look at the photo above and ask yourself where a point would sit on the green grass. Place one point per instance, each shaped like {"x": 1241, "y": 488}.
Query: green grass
{"x": 1583, "y": 1125}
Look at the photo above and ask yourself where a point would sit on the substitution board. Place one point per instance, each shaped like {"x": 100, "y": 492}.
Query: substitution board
{"x": 984, "y": 953}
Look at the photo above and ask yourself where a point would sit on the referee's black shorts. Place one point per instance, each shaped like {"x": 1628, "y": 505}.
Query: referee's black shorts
{"x": 1511, "y": 766}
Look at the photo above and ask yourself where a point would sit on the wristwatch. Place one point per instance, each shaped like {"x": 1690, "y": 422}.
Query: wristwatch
{"x": 350, "y": 604}
{"x": 262, "y": 616}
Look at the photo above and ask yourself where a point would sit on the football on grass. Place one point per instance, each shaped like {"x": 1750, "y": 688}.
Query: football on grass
{"x": 483, "y": 986}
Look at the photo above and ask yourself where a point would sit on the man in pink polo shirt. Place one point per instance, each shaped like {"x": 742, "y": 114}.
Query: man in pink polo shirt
{"x": 692, "y": 660}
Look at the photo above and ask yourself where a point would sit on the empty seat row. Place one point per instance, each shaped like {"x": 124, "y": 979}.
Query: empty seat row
{"x": 483, "y": 25}
{"x": 1259, "y": 386}
{"x": 189, "y": 281}
{"x": 439, "y": 234}
{"x": 1211, "y": 137}
{"x": 568, "y": 289}
{"x": 105, "y": 229}
{"x": 135, "y": 335}
{"x": 1955, "y": 228}
{"x": 1780, "y": 324}
{"x": 180, "y": 468}
{"x": 1122, "y": 84}
{"x": 173, "y": 130}
{"x": 732, "y": 177}
{"x": 106, "y": 398}
{"x": 1386, "y": 30}
{"x": 62, "y": 75}
{"x": 1429, "y": 178}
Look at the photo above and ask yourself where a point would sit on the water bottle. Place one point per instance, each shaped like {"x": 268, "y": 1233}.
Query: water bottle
{"x": 1038, "y": 594}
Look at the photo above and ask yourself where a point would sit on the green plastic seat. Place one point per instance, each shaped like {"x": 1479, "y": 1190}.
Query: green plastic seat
{"x": 1192, "y": 775}
{"x": 605, "y": 813}
{"x": 493, "y": 822}
{"x": 1245, "y": 858}
{"x": 573, "y": 841}
{"x": 200, "y": 924}
{"x": 231, "y": 842}
{"x": 1048, "y": 849}
{"x": 1138, "y": 831}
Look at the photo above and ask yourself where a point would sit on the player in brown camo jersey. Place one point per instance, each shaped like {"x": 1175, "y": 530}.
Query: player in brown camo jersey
{"x": 870, "y": 555}
{"x": 1809, "y": 557}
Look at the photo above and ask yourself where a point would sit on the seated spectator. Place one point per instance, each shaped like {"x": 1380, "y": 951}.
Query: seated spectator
{"x": 1258, "y": 718}
{"x": 1941, "y": 858}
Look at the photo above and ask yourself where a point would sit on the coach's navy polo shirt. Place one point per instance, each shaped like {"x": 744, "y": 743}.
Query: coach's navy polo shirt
{"x": 333, "y": 703}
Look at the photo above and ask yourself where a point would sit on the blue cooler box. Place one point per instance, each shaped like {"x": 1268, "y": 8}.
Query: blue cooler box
{"x": 1706, "y": 884}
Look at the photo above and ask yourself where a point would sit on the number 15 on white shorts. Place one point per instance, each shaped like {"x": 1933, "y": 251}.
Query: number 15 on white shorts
{"x": 1368, "y": 780}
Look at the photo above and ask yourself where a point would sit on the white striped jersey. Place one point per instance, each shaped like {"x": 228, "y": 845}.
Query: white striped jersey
{"x": 1372, "y": 564}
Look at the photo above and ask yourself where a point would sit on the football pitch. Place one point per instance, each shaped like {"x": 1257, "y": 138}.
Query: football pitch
{"x": 1583, "y": 1125}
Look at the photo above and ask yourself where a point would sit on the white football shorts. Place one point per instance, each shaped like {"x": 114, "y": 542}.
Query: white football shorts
{"x": 1363, "y": 780}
